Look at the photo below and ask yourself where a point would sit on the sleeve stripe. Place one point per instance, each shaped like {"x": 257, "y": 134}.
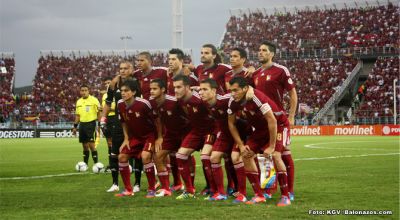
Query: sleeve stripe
{"x": 284, "y": 69}
{"x": 169, "y": 97}
{"x": 257, "y": 101}
{"x": 265, "y": 108}
{"x": 144, "y": 101}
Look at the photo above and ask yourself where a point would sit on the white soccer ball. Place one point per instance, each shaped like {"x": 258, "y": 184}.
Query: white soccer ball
{"x": 98, "y": 168}
{"x": 81, "y": 167}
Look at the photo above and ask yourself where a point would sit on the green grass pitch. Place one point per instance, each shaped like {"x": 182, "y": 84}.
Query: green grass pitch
{"x": 354, "y": 173}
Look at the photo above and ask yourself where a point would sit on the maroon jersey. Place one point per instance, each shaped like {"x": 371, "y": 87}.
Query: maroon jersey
{"x": 230, "y": 74}
{"x": 253, "y": 111}
{"x": 138, "y": 118}
{"x": 219, "y": 113}
{"x": 170, "y": 84}
{"x": 197, "y": 113}
{"x": 145, "y": 79}
{"x": 172, "y": 115}
{"x": 273, "y": 82}
{"x": 216, "y": 72}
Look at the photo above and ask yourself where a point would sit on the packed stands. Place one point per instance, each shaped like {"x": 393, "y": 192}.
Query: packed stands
{"x": 7, "y": 74}
{"x": 376, "y": 95}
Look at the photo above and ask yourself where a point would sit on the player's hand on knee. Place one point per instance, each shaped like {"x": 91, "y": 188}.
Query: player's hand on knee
{"x": 124, "y": 144}
{"x": 158, "y": 144}
{"x": 268, "y": 152}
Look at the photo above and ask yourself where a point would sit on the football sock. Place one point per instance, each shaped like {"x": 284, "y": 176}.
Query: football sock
{"x": 205, "y": 159}
{"x": 125, "y": 175}
{"x": 175, "y": 170}
{"x": 192, "y": 168}
{"x": 282, "y": 179}
{"x": 163, "y": 176}
{"x": 138, "y": 171}
{"x": 241, "y": 177}
{"x": 86, "y": 156}
{"x": 218, "y": 177}
{"x": 184, "y": 164}
{"x": 94, "y": 156}
{"x": 288, "y": 161}
{"x": 254, "y": 180}
{"x": 150, "y": 173}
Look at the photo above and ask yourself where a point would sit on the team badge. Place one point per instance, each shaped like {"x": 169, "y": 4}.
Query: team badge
{"x": 145, "y": 79}
{"x": 194, "y": 109}
{"x": 169, "y": 112}
{"x": 221, "y": 112}
{"x": 268, "y": 77}
{"x": 161, "y": 109}
{"x": 211, "y": 75}
{"x": 290, "y": 81}
{"x": 129, "y": 111}
{"x": 137, "y": 114}
{"x": 252, "y": 112}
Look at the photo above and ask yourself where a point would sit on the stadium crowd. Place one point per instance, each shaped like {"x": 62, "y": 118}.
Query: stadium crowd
{"x": 316, "y": 29}
{"x": 7, "y": 74}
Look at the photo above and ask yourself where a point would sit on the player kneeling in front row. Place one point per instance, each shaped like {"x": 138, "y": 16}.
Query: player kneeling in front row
{"x": 270, "y": 125}
{"x": 136, "y": 116}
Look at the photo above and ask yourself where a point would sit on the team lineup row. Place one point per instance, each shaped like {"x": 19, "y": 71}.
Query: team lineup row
{"x": 162, "y": 115}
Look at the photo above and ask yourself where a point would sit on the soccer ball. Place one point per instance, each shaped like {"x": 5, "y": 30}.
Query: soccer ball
{"x": 81, "y": 167}
{"x": 98, "y": 168}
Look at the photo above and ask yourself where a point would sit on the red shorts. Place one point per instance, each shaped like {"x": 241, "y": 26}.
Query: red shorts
{"x": 137, "y": 146}
{"x": 223, "y": 143}
{"x": 171, "y": 143}
{"x": 258, "y": 140}
{"x": 196, "y": 141}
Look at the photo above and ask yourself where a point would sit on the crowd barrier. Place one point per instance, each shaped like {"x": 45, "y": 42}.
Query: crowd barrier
{"x": 346, "y": 130}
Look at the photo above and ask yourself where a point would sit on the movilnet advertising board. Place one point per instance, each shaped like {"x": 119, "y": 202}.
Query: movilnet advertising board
{"x": 347, "y": 130}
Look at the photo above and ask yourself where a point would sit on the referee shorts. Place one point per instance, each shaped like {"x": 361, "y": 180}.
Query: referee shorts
{"x": 87, "y": 132}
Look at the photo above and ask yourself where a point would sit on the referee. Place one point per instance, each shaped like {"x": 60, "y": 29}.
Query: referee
{"x": 86, "y": 114}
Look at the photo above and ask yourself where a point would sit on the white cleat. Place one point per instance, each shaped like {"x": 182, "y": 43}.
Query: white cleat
{"x": 113, "y": 188}
{"x": 136, "y": 188}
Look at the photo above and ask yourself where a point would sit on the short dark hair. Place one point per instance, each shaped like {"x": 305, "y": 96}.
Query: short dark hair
{"x": 133, "y": 85}
{"x": 84, "y": 86}
{"x": 179, "y": 53}
{"x": 213, "y": 84}
{"x": 183, "y": 78}
{"x": 161, "y": 83}
{"x": 271, "y": 46}
{"x": 242, "y": 52}
{"x": 241, "y": 81}
{"x": 147, "y": 55}
{"x": 107, "y": 78}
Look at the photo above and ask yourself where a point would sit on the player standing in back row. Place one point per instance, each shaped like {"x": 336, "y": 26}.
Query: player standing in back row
{"x": 274, "y": 80}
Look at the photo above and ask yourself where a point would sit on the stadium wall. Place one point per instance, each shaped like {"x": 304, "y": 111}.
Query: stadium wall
{"x": 346, "y": 130}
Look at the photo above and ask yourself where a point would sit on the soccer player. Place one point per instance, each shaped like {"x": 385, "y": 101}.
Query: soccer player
{"x": 86, "y": 114}
{"x": 147, "y": 72}
{"x": 175, "y": 67}
{"x": 117, "y": 136}
{"x": 140, "y": 134}
{"x": 176, "y": 125}
{"x": 217, "y": 105}
{"x": 237, "y": 59}
{"x": 274, "y": 80}
{"x": 199, "y": 136}
{"x": 269, "y": 136}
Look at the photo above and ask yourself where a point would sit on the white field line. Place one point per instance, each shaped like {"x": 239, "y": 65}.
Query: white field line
{"x": 345, "y": 156}
{"x": 42, "y": 177}
{"x": 318, "y": 146}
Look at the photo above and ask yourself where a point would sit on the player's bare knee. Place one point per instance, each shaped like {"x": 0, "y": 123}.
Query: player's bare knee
{"x": 146, "y": 157}
{"x": 236, "y": 158}
{"x": 123, "y": 158}
{"x": 215, "y": 158}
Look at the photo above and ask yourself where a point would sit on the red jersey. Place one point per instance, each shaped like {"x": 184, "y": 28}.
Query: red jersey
{"x": 253, "y": 111}
{"x": 219, "y": 113}
{"x": 145, "y": 79}
{"x": 216, "y": 72}
{"x": 138, "y": 118}
{"x": 230, "y": 74}
{"x": 170, "y": 84}
{"x": 172, "y": 115}
{"x": 197, "y": 113}
{"x": 273, "y": 82}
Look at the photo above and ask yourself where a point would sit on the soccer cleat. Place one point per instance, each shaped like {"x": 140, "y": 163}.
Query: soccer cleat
{"x": 163, "y": 192}
{"x": 177, "y": 188}
{"x": 217, "y": 197}
{"x": 205, "y": 191}
{"x": 240, "y": 198}
{"x": 285, "y": 201}
{"x": 268, "y": 195}
{"x": 151, "y": 194}
{"x": 124, "y": 193}
{"x": 185, "y": 195}
{"x": 157, "y": 185}
{"x": 113, "y": 188}
{"x": 291, "y": 196}
{"x": 231, "y": 191}
{"x": 136, "y": 188}
{"x": 256, "y": 199}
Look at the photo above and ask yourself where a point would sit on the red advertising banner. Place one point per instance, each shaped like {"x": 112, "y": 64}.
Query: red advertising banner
{"x": 346, "y": 130}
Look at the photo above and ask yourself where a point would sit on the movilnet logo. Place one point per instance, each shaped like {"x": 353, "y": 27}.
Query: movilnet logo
{"x": 386, "y": 130}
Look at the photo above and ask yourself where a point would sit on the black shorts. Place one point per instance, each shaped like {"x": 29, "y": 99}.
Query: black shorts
{"x": 87, "y": 132}
{"x": 111, "y": 120}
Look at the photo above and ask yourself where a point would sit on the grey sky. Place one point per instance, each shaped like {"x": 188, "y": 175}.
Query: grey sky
{"x": 28, "y": 26}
